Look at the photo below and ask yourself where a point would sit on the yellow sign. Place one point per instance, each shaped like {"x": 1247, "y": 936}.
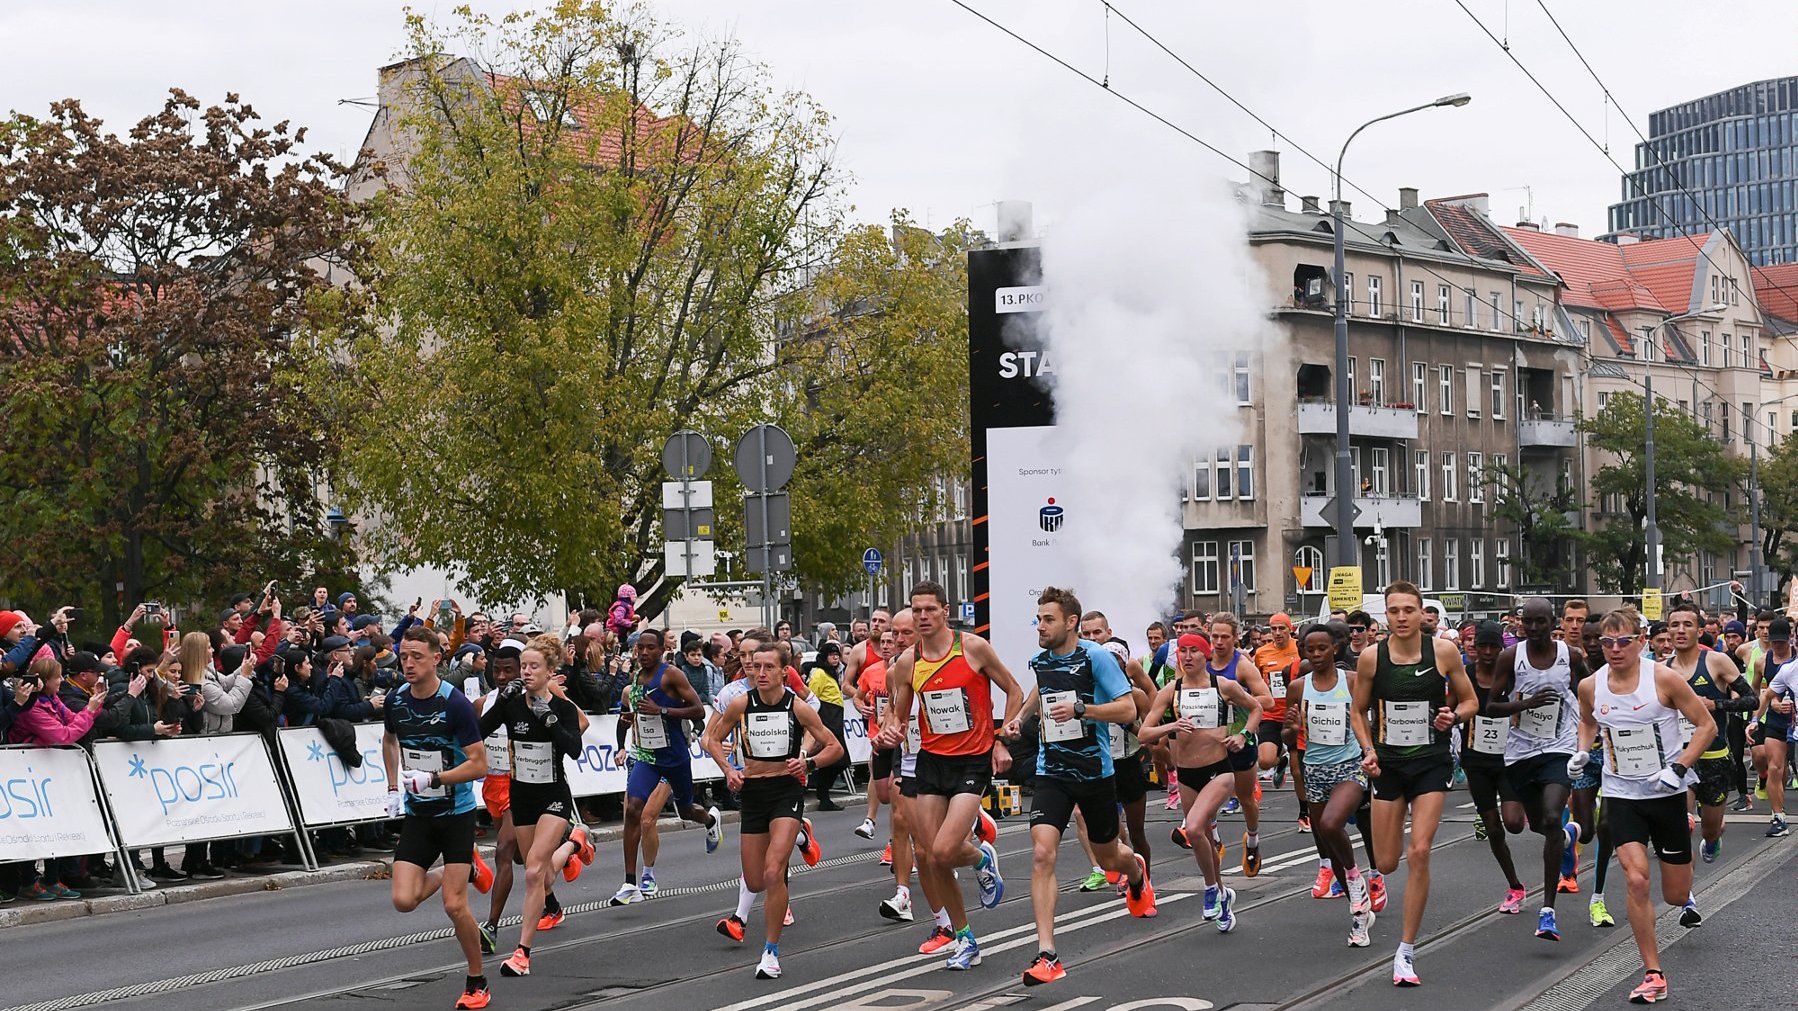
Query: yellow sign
{"x": 1301, "y": 574}
{"x": 1345, "y": 587}
{"x": 1651, "y": 603}
{"x": 724, "y": 615}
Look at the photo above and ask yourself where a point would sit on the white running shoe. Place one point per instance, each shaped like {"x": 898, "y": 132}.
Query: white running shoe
{"x": 769, "y": 967}
{"x": 1359, "y": 925}
{"x": 714, "y": 833}
{"x": 626, "y": 895}
{"x": 1404, "y": 973}
{"x": 897, "y": 908}
{"x": 866, "y": 829}
{"x": 1360, "y": 900}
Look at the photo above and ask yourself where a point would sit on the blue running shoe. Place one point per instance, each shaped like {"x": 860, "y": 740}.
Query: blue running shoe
{"x": 966, "y": 954}
{"x": 1231, "y": 806}
{"x": 1210, "y": 912}
{"x": 992, "y": 884}
{"x": 649, "y": 886}
{"x": 1709, "y": 850}
{"x": 1546, "y": 928}
{"x": 1226, "y": 911}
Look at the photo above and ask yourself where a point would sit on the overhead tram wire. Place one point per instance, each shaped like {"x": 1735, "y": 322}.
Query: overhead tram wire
{"x": 1604, "y": 150}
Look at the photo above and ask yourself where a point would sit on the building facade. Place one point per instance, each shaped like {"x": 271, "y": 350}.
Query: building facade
{"x": 1732, "y": 156}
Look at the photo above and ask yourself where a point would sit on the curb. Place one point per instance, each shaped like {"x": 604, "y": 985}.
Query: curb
{"x": 16, "y": 915}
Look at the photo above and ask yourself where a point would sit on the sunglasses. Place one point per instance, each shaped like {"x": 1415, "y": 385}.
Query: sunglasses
{"x": 1620, "y": 642}
{"x": 1357, "y": 628}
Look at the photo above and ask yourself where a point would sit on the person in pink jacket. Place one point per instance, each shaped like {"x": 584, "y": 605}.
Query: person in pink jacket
{"x": 44, "y": 720}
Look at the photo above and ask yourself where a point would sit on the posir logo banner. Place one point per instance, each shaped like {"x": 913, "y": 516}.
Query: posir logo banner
{"x": 598, "y": 771}
{"x": 183, "y": 789}
{"x": 47, "y": 805}
{"x": 330, "y": 792}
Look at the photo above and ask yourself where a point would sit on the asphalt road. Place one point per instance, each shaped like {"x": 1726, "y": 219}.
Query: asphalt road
{"x": 341, "y": 945}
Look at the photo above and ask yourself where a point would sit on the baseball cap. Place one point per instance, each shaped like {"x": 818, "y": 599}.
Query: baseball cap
{"x": 333, "y": 643}
{"x": 1489, "y": 633}
{"x": 1780, "y": 629}
{"x": 363, "y": 621}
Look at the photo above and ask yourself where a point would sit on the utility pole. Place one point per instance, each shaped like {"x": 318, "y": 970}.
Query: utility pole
{"x": 1651, "y": 530}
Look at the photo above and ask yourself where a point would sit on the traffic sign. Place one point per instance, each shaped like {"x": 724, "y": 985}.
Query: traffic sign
{"x": 676, "y": 556}
{"x": 764, "y": 459}
{"x": 687, "y": 525}
{"x": 872, "y": 561}
{"x": 1651, "y": 603}
{"x": 967, "y": 612}
{"x": 778, "y": 530}
{"x": 1301, "y": 574}
{"x": 686, "y": 455}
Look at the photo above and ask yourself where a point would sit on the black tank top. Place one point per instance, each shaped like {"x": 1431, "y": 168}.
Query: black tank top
{"x": 771, "y": 731}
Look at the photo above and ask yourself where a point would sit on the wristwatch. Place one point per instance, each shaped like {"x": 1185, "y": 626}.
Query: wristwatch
{"x": 1079, "y": 709}
{"x": 1678, "y": 770}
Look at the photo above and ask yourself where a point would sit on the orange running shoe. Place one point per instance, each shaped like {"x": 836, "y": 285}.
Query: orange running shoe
{"x": 811, "y": 851}
{"x": 1142, "y": 903}
{"x": 518, "y": 965}
{"x": 583, "y": 844}
{"x": 1046, "y": 969}
{"x": 481, "y": 875}
{"x": 1326, "y": 876}
{"x": 985, "y": 828}
{"x": 474, "y": 999}
{"x": 886, "y": 856}
{"x": 732, "y": 928}
{"x": 1568, "y": 885}
{"x": 939, "y": 938}
{"x": 550, "y": 921}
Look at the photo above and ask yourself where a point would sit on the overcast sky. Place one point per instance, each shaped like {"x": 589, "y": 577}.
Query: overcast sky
{"x": 941, "y": 113}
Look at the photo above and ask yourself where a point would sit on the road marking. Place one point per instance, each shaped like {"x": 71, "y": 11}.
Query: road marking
{"x": 834, "y": 988}
{"x": 1184, "y": 1003}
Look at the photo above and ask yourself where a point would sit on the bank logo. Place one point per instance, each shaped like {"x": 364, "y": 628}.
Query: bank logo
{"x": 1050, "y": 517}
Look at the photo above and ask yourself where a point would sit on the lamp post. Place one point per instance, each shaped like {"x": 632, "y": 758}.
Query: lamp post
{"x": 1651, "y": 531}
{"x": 1347, "y": 551}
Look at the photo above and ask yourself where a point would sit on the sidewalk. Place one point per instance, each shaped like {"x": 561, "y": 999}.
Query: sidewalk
{"x": 21, "y": 913}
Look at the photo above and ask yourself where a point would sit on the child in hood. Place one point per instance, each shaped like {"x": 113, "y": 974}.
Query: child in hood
{"x": 622, "y": 617}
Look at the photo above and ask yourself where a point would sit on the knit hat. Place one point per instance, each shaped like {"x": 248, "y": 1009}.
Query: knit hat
{"x": 9, "y": 620}
{"x": 345, "y": 595}
{"x": 1737, "y": 627}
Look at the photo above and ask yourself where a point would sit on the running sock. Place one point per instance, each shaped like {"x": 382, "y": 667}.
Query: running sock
{"x": 1251, "y": 839}
{"x": 551, "y": 904}
{"x": 475, "y": 983}
{"x": 630, "y": 879}
{"x": 942, "y": 918}
{"x": 1323, "y": 861}
{"x": 1048, "y": 953}
{"x": 967, "y": 932}
{"x": 771, "y": 949}
{"x": 1406, "y": 950}
{"x": 649, "y": 870}
{"x": 904, "y": 892}
{"x": 526, "y": 949}
{"x": 1304, "y": 808}
{"x": 1097, "y": 869}
{"x": 1353, "y": 873}
{"x": 745, "y": 899}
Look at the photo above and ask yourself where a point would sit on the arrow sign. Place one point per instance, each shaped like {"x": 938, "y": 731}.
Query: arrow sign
{"x": 872, "y": 561}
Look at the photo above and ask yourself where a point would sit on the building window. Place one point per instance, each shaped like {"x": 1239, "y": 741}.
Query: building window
{"x": 1501, "y": 465}
{"x": 1204, "y": 567}
{"x": 1726, "y": 421}
{"x": 1451, "y": 564}
{"x": 1503, "y": 549}
{"x": 1476, "y": 481}
{"x": 1476, "y": 551}
{"x": 1423, "y": 563}
{"x": 1748, "y": 356}
{"x": 1201, "y": 480}
{"x": 1498, "y": 395}
{"x": 1473, "y": 308}
{"x": 1423, "y": 475}
{"x": 1748, "y": 422}
{"x": 1348, "y": 285}
{"x": 1382, "y": 559}
{"x": 1442, "y": 303}
{"x": 1420, "y": 386}
{"x": 1704, "y": 347}
{"x": 1517, "y": 323}
{"x": 1376, "y": 380}
{"x": 1448, "y": 477}
{"x": 1245, "y": 472}
{"x": 1704, "y": 415}
{"x": 1729, "y": 353}
{"x": 1445, "y": 388}
{"x": 1311, "y": 557}
{"x": 1585, "y": 330}
{"x": 1473, "y": 392}
{"x": 960, "y": 493}
{"x": 1417, "y": 301}
{"x": 1224, "y": 483}
{"x": 1374, "y": 304}
{"x": 1242, "y": 381}
{"x": 1382, "y": 471}
{"x": 1242, "y": 565}
{"x": 1497, "y": 314}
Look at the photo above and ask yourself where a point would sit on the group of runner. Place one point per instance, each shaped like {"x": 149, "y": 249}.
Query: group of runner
{"x": 1370, "y": 737}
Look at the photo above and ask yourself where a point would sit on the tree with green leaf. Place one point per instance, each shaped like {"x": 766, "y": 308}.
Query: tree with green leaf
{"x": 593, "y": 235}
{"x": 1779, "y": 510}
{"x": 157, "y": 290}
{"x": 1692, "y": 471}
{"x": 1538, "y": 506}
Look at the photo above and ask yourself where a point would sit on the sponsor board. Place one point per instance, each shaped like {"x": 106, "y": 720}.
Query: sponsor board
{"x": 48, "y": 807}
{"x": 185, "y": 789}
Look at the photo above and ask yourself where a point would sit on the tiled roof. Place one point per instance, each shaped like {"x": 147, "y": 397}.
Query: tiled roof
{"x": 1594, "y": 272}
{"x": 606, "y": 148}
{"x": 1776, "y": 289}
{"x": 1666, "y": 266}
{"x": 1476, "y": 235}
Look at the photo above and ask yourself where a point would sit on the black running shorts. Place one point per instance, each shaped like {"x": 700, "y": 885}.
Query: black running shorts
{"x": 1194, "y": 779}
{"x": 1055, "y": 799}
{"x": 1131, "y": 779}
{"x": 948, "y": 775}
{"x": 1411, "y": 778}
{"x": 768, "y": 798}
{"x": 1660, "y": 823}
{"x": 424, "y": 838}
{"x": 532, "y": 801}
{"x": 884, "y": 761}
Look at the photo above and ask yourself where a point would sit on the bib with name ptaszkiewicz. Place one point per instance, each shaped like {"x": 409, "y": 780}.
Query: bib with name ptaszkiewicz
{"x": 1203, "y": 706}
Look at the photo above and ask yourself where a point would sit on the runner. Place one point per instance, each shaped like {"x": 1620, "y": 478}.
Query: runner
{"x": 1203, "y": 745}
{"x": 1533, "y": 687}
{"x": 496, "y": 797}
{"x": 1163, "y": 668}
{"x": 1771, "y": 731}
{"x": 1129, "y": 777}
{"x": 771, "y": 725}
{"x": 868, "y": 691}
{"x": 1583, "y": 802}
{"x": 1633, "y": 709}
{"x": 954, "y": 675}
{"x": 1414, "y": 682}
{"x": 542, "y": 727}
{"x": 1722, "y": 691}
{"x": 432, "y": 749}
{"x": 1320, "y": 703}
{"x": 1080, "y": 691}
{"x": 1224, "y": 631}
{"x": 657, "y": 709}
{"x": 1328, "y": 885}
{"x": 1278, "y": 662}
{"x": 1483, "y": 759}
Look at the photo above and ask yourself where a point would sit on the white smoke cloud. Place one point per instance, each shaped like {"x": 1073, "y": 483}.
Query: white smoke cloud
{"x": 1151, "y": 288}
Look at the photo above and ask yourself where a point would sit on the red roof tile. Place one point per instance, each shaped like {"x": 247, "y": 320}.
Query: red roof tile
{"x": 1475, "y": 234}
{"x": 1776, "y": 289}
{"x": 1583, "y": 265}
{"x": 1666, "y": 267}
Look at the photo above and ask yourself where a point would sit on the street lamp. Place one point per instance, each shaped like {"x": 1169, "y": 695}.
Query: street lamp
{"x": 1651, "y": 531}
{"x": 1347, "y": 551}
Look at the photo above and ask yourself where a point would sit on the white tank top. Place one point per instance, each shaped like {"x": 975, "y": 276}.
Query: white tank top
{"x": 1550, "y": 730}
{"x": 499, "y": 744}
{"x": 1639, "y": 734}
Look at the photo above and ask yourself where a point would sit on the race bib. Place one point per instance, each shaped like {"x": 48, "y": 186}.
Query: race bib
{"x": 1687, "y": 730}
{"x": 947, "y": 711}
{"x": 768, "y": 736}
{"x": 1326, "y": 723}
{"x": 1634, "y": 751}
{"x": 1116, "y": 740}
{"x": 425, "y": 761}
{"x": 1488, "y": 734}
{"x": 652, "y": 732}
{"x": 1541, "y": 723}
{"x": 914, "y": 741}
{"x": 533, "y": 762}
{"x": 1407, "y": 724}
{"x": 1276, "y": 684}
{"x": 1200, "y": 705}
{"x": 1061, "y": 730}
{"x": 499, "y": 754}
{"x": 880, "y": 708}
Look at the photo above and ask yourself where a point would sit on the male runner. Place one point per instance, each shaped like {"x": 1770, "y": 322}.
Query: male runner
{"x": 1722, "y": 690}
{"x": 431, "y": 748}
{"x": 1278, "y": 662}
{"x": 771, "y": 726}
{"x": 870, "y": 696}
{"x": 1128, "y": 775}
{"x": 657, "y": 709}
{"x": 1582, "y": 802}
{"x": 1417, "y": 689}
{"x": 953, "y": 675}
{"x": 1081, "y": 691}
{"x": 1533, "y": 687}
{"x": 1633, "y": 709}
{"x": 1483, "y": 759}
{"x": 866, "y": 650}
{"x": 1237, "y": 666}
{"x": 1771, "y": 730}
{"x": 1203, "y": 743}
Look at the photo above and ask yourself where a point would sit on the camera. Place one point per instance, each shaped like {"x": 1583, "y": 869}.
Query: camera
{"x": 152, "y": 610}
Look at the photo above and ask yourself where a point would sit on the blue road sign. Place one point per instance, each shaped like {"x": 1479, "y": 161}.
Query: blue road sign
{"x": 872, "y": 560}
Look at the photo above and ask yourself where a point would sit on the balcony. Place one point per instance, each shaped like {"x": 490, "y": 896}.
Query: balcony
{"x": 1318, "y": 417}
{"x": 1545, "y": 431}
{"x": 1402, "y": 512}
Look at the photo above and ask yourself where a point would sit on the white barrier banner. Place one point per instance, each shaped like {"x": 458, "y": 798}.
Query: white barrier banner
{"x": 855, "y": 737}
{"x": 329, "y": 792}
{"x": 47, "y": 805}
{"x": 185, "y": 789}
{"x": 597, "y": 771}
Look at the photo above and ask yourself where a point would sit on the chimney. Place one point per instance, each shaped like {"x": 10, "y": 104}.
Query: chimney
{"x": 1343, "y": 206}
{"x": 1531, "y": 225}
{"x": 1265, "y": 167}
{"x": 1567, "y": 228}
{"x": 1309, "y": 205}
{"x": 1407, "y": 197}
{"x": 1394, "y": 217}
{"x": 1014, "y": 221}
{"x": 1627, "y": 238}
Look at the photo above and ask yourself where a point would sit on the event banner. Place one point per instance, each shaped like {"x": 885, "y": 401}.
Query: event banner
{"x": 47, "y": 806}
{"x": 329, "y": 792}
{"x": 185, "y": 789}
{"x": 600, "y": 768}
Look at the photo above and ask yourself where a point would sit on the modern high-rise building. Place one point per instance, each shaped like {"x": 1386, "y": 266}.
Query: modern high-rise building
{"x": 1733, "y": 156}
